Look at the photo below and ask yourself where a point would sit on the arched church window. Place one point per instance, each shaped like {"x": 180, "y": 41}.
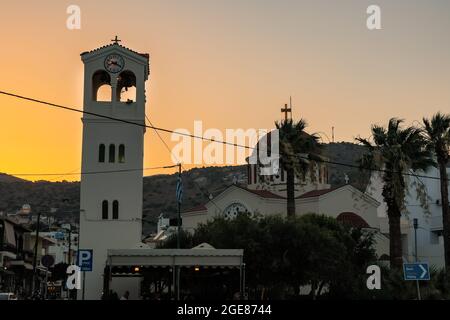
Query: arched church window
{"x": 112, "y": 153}
{"x": 126, "y": 87}
{"x": 101, "y": 86}
{"x": 122, "y": 153}
{"x": 105, "y": 210}
{"x": 101, "y": 153}
{"x": 115, "y": 210}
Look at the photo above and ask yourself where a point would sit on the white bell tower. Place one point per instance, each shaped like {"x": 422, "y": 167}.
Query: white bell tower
{"x": 111, "y": 203}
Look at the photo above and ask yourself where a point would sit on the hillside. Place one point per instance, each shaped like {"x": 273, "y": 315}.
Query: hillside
{"x": 7, "y": 178}
{"x": 159, "y": 190}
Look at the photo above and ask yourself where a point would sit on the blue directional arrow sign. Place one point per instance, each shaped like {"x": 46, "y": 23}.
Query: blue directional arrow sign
{"x": 416, "y": 271}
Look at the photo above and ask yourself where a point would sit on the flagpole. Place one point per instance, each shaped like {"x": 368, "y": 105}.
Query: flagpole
{"x": 179, "y": 229}
{"x": 179, "y": 210}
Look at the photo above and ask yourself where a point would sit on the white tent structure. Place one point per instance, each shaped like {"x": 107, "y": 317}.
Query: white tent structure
{"x": 202, "y": 256}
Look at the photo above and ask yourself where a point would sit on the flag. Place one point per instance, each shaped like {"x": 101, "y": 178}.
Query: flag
{"x": 179, "y": 192}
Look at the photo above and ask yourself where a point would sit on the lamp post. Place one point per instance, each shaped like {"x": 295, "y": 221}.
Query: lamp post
{"x": 33, "y": 284}
{"x": 416, "y": 226}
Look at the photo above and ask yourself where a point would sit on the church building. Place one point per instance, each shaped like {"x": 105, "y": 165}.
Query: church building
{"x": 266, "y": 195}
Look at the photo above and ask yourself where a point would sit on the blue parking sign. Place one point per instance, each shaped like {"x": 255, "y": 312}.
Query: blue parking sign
{"x": 85, "y": 259}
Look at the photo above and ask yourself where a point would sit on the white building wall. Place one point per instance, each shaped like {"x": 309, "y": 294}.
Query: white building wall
{"x": 429, "y": 244}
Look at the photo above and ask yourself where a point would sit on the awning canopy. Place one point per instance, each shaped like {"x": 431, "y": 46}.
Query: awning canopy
{"x": 232, "y": 258}
{"x": 21, "y": 263}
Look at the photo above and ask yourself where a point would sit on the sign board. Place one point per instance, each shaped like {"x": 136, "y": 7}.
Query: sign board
{"x": 59, "y": 235}
{"x": 85, "y": 259}
{"x": 416, "y": 271}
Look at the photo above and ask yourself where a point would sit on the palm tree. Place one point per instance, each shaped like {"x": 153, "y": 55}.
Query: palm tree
{"x": 395, "y": 151}
{"x": 296, "y": 152}
{"x": 437, "y": 133}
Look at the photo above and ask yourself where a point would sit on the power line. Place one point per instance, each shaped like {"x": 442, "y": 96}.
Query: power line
{"x": 171, "y": 153}
{"x": 122, "y": 120}
{"x": 85, "y": 173}
{"x": 201, "y": 137}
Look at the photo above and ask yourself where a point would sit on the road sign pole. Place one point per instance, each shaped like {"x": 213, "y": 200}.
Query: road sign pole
{"x": 84, "y": 282}
{"x": 416, "y": 225}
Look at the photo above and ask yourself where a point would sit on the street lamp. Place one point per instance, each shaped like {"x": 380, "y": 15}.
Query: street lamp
{"x": 33, "y": 284}
{"x": 416, "y": 226}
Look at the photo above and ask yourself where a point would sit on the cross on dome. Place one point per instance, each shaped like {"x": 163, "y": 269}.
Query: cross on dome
{"x": 116, "y": 40}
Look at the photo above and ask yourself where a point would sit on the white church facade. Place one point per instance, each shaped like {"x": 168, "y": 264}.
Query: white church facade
{"x": 266, "y": 195}
{"x": 111, "y": 203}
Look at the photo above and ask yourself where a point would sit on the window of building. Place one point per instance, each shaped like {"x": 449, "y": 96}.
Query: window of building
{"x": 101, "y": 86}
{"x": 101, "y": 153}
{"x": 112, "y": 153}
{"x": 115, "y": 209}
{"x": 105, "y": 210}
{"x": 121, "y": 153}
{"x": 126, "y": 87}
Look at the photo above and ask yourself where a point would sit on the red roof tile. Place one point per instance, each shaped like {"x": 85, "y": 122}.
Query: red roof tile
{"x": 196, "y": 208}
{"x": 352, "y": 219}
{"x": 265, "y": 194}
{"x": 316, "y": 193}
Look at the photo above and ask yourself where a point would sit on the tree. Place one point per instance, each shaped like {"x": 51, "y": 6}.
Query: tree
{"x": 437, "y": 133}
{"x": 283, "y": 254}
{"x": 296, "y": 150}
{"x": 395, "y": 151}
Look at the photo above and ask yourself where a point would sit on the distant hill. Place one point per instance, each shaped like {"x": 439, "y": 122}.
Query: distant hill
{"x": 346, "y": 153}
{"x": 7, "y": 178}
{"x": 159, "y": 190}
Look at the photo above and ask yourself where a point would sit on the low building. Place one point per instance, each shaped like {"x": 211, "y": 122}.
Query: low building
{"x": 15, "y": 258}
{"x": 428, "y": 212}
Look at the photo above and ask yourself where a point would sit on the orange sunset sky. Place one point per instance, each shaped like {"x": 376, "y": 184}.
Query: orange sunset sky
{"x": 229, "y": 63}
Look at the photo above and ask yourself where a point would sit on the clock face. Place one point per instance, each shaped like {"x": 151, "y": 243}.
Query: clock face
{"x": 234, "y": 209}
{"x": 114, "y": 63}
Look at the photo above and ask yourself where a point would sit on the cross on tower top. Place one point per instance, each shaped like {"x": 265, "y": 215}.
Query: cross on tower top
{"x": 286, "y": 110}
{"x": 116, "y": 40}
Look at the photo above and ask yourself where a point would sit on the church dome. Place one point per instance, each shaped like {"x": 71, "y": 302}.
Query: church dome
{"x": 276, "y": 182}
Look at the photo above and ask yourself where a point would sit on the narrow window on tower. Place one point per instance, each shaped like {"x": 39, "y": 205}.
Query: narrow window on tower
{"x": 112, "y": 153}
{"x": 122, "y": 153}
{"x": 101, "y": 153}
{"x": 105, "y": 210}
{"x": 115, "y": 209}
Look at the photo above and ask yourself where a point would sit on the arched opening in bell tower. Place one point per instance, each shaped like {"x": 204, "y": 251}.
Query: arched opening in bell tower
{"x": 126, "y": 87}
{"x": 101, "y": 86}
